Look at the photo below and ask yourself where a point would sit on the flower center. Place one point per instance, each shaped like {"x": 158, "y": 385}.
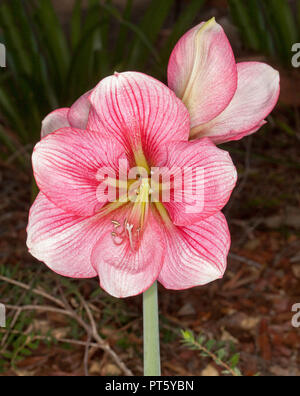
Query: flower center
{"x": 132, "y": 227}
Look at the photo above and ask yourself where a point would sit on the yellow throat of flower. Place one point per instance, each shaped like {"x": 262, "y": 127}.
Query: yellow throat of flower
{"x": 134, "y": 224}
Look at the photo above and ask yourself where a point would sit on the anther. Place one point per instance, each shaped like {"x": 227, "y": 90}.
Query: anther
{"x": 116, "y": 224}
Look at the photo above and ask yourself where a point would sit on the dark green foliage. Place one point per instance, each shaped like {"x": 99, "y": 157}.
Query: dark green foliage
{"x": 268, "y": 26}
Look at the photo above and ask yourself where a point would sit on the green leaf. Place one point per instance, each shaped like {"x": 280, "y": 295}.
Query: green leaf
{"x": 234, "y": 361}
{"x": 11, "y": 19}
{"x": 256, "y": 15}
{"x": 7, "y": 354}
{"x": 188, "y": 335}
{"x": 34, "y": 345}
{"x": 52, "y": 37}
{"x": 26, "y": 352}
{"x": 151, "y": 26}
{"x": 123, "y": 34}
{"x": 238, "y": 372}
{"x": 221, "y": 354}
{"x": 76, "y": 24}
{"x": 281, "y": 24}
{"x": 242, "y": 18}
{"x": 201, "y": 340}
{"x": 184, "y": 22}
{"x": 283, "y": 20}
{"x": 210, "y": 344}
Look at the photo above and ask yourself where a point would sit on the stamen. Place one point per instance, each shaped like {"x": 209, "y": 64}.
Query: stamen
{"x": 116, "y": 224}
{"x": 118, "y": 238}
{"x": 133, "y": 225}
{"x": 129, "y": 228}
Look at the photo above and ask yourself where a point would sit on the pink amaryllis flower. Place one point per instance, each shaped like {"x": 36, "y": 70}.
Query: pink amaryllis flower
{"x": 132, "y": 118}
{"x": 226, "y": 101}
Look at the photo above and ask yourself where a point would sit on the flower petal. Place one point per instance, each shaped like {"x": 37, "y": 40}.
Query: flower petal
{"x": 140, "y": 111}
{"x": 202, "y": 72}
{"x": 124, "y": 272}
{"x": 257, "y": 94}
{"x": 203, "y": 179}
{"x": 61, "y": 240}
{"x": 197, "y": 254}
{"x": 67, "y": 166}
{"x": 79, "y": 113}
{"x": 56, "y": 120}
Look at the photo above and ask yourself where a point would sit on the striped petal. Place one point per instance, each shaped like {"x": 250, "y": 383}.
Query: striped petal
{"x": 195, "y": 255}
{"x": 70, "y": 166}
{"x": 202, "y": 179}
{"x": 122, "y": 271}
{"x": 140, "y": 112}
{"x": 61, "y": 240}
{"x": 79, "y": 113}
{"x": 257, "y": 94}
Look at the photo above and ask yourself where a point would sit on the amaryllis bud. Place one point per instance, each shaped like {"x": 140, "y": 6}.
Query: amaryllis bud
{"x": 225, "y": 101}
{"x": 202, "y": 72}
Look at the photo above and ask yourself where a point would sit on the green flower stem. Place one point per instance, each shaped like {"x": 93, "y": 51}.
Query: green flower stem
{"x": 151, "y": 333}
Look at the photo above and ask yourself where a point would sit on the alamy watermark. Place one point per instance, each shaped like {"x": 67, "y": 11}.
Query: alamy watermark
{"x": 2, "y": 55}
{"x": 139, "y": 185}
{"x": 296, "y": 317}
{"x": 2, "y": 315}
{"x": 296, "y": 57}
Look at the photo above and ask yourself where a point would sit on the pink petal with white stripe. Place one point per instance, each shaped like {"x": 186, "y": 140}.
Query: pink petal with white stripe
{"x": 61, "y": 240}
{"x": 203, "y": 179}
{"x": 56, "y": 120}
{"x": 79, "y": 113}
{"x": 202, "y": 72}
{"x": 257, "y": 94}
{"x": 139, "y": 111}
{"x": 122, "y": 271}
{"x": 196, "y": 255}
{"x": 67, "y": 166}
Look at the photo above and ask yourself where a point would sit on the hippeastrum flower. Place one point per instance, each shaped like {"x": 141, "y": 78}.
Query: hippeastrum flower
{"x": 226, "y": 101}
{"x": 135, "y": 119}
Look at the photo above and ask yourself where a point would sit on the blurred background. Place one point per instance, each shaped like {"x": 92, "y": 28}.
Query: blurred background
{"x": 57, "y": 50}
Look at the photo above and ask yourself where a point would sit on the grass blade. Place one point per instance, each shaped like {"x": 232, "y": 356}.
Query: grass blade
{"x": 123, "y": 34}
{"x": 53, "y": 38}
{"x": 242, "y": 19}
{"x": 76, "y": 24}
{"x": 282, "y": 25}
{"x": 184, "y": 22}
{"x": 257, "y": 17}
{"x": 13, "y": 39}
{"x": 151, "y": 26}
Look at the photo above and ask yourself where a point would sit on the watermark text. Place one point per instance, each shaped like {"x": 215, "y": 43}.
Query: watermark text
{"x": 2, "y": 315}
{"x": 296, "y": 57}
{"x": 296, "y": 317}
{"x": 2, "y": 55}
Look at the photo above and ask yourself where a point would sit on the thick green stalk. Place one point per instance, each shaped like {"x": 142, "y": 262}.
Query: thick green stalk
{"x": 151, "y": 333}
